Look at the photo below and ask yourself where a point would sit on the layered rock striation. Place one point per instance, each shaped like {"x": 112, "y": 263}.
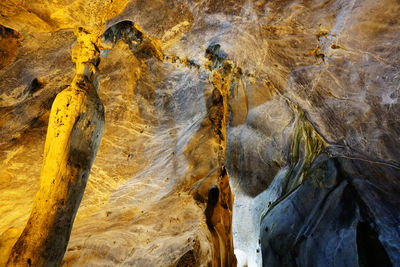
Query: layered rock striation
{"x": 265, "y": 127}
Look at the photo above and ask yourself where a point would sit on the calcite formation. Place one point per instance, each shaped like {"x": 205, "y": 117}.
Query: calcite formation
{"x": 258, "y": 133}
{"x": 74, "y": 132}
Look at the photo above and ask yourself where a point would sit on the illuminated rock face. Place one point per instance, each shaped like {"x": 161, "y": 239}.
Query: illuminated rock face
{"x": 291, "y": 105}
{"x": 74, "y": 132}
{"x": 75, "y": 128}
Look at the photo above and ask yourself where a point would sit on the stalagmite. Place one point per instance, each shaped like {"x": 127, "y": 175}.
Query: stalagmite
{"x": 74, "y": 132}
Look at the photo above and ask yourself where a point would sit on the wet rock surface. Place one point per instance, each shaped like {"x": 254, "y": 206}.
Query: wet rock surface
{"x": 295, "y": 103}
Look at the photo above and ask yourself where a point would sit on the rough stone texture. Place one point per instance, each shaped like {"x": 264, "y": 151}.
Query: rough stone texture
{"x": 75, "y": 128}
{"x": 311, "y": 142}
{"x": 76, "y": 125}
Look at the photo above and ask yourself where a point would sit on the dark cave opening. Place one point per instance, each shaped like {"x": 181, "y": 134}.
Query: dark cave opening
{"x": 370, "y": 250}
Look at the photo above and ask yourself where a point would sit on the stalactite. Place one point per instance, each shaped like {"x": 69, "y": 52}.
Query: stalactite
{"x": 214, "y": 190}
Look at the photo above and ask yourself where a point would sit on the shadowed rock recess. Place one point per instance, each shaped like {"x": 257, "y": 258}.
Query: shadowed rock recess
{"x": 200, "y": 133}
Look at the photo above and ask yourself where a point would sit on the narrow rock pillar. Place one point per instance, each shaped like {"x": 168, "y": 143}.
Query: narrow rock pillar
{"x": 74, "y": 132}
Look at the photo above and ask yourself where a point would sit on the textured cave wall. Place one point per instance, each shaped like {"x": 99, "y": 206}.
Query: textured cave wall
{"x": 309, "y": 98}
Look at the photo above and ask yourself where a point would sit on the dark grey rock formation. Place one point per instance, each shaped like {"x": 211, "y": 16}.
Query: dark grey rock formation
{"x": 340, "y": 216}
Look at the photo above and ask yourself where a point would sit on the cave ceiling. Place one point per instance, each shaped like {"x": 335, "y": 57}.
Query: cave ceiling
{"x": 268, "y": 130}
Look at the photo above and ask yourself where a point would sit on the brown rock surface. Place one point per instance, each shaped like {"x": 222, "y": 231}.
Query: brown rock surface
{"x": 295, "y": 102}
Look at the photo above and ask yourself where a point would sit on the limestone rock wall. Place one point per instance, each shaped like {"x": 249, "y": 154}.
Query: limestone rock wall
{"x": 295, "y": 101}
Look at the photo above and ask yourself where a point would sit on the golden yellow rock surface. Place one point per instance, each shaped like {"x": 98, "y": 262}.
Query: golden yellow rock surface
{"x": 262, "y": 129}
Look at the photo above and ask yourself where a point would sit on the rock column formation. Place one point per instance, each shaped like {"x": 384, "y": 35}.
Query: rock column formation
{"x": 213, "y": 189}
{"x": 75, "y": 129}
